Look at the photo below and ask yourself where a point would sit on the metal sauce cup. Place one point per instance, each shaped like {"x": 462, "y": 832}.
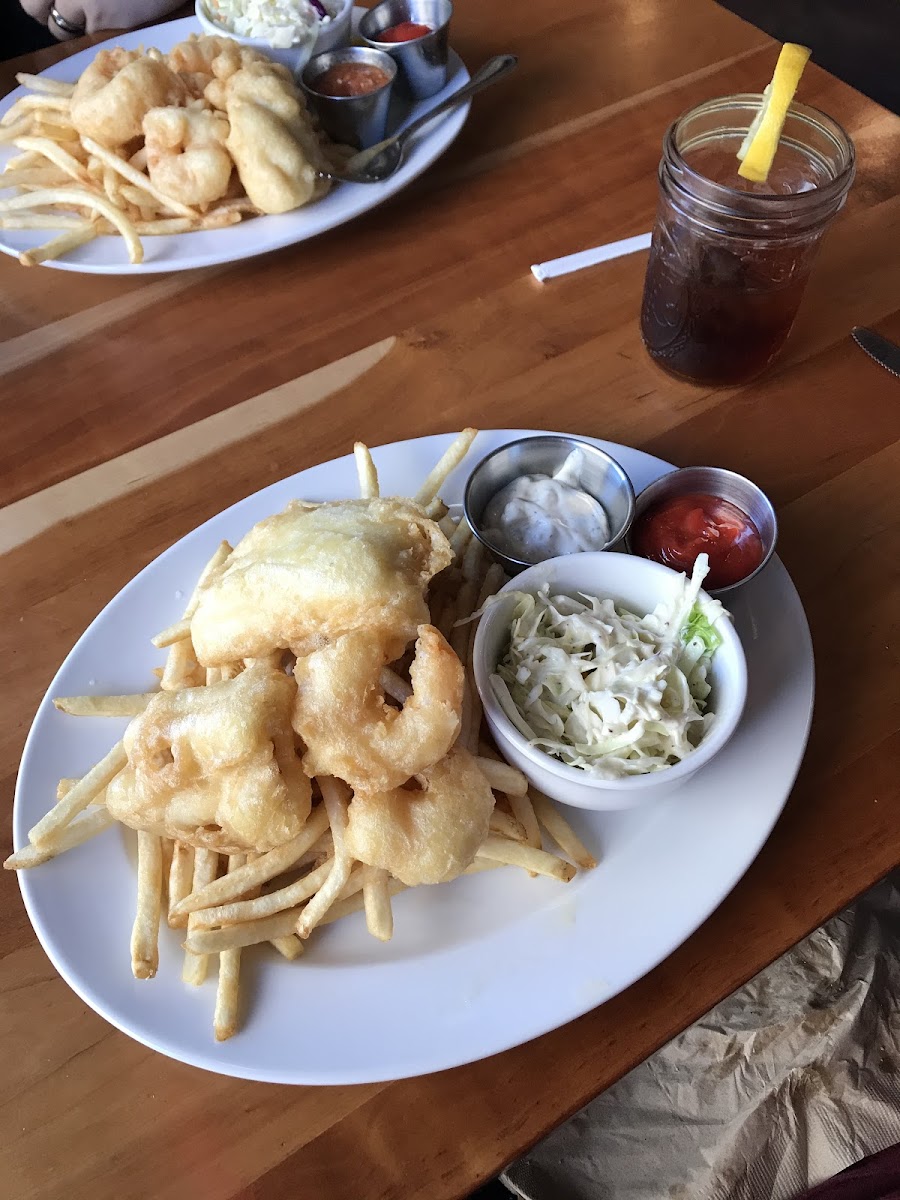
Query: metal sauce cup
{"x": 601, "y": 477}
{"x": 743, "y": 493}
{"x": 423, "y": 62}
{"x": 358, "y": 121}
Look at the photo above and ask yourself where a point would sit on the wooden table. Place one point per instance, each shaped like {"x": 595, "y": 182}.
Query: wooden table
{"x": 132, "y": 410}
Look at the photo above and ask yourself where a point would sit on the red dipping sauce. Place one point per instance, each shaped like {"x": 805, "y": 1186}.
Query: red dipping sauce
{"x": 350, "y": 79}
{"x": 677, "y": 529}
{"x": 406, "y": 31}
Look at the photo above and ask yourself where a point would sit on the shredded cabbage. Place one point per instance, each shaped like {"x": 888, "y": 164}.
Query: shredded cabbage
{"x": 608, "y": 691}
{"x": 282, "y": 23}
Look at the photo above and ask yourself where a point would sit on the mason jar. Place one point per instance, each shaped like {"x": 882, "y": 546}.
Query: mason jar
{"x": 730, "y": 258}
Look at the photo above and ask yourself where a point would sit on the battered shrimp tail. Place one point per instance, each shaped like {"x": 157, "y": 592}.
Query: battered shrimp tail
{"x": 349, "y": 729}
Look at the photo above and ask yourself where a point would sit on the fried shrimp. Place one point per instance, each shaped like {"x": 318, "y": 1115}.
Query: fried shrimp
{"x": 117, "y": 90}
{"x": 186, "y": 154}
{"x": 424, "y": 836}
{"x": 200, "y": 60}
{"x": 349, "y": 729}
{"x": 215, "y": 767}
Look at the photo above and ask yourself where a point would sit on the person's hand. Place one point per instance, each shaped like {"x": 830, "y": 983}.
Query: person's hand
{"x": 91, "y": 16}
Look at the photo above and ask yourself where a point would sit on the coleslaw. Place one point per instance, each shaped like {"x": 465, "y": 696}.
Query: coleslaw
{"x": 608, "y": 691}
{"x": 281, "y": 23}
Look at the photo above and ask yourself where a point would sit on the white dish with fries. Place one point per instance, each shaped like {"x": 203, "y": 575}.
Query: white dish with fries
{"x": 474, "y": 966}
{"x": 232, "y": 206}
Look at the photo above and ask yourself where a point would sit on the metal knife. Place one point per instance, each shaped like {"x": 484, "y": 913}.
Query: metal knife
{"x": 885, "y": 353}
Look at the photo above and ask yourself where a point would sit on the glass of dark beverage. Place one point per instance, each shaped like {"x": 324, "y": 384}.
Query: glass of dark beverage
{"x": 730, "y": 258}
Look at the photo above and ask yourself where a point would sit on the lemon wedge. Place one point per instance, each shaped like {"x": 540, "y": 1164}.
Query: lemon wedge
{"x": 758, "y": 147}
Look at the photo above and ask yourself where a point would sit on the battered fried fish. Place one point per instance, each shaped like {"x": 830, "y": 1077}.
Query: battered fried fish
{"x": 272, "y": 140}
{"x": 427, "y": 836}
{"x": 302, "y": 578}
{"x": 215, "y": 766}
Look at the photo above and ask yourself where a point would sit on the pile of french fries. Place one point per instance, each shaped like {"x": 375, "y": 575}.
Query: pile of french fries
{"x": 71, "y": 183}
{"x": 226, "y": 903}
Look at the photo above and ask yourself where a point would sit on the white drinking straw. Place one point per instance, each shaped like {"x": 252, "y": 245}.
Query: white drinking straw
{"x": 589, "y": 258}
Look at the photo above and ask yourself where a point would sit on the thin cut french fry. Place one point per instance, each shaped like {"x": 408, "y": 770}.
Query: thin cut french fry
{"x": 561, "y": 831}
{"x": 58, "y": 246}
{"x": 502, "y": 777}
{"x": 82, "y": 828}
{"x": 514, "y": 854}
{"x": 41, "y": 221}
{"x": 472, "y": 709}
{"x": 123, "y": 168}
{"x": 355, "y": 881}
{"x": 9, "y": 133}
{"x": 80, "y": 197}
{"x": 524, "y": 813}
{"x": 335, "y": 796}
{"x": 29, "y": 159}
{"x": 175, "y": 633}
{"x": 365, "y": 469}
{"x": 460, "y": 537}
{"x": 44, "y": 86}
{"x": 447, "y": 525}
{"x": 248, "y": 933}
{"x": 213, "y": 675}
{"x": 436, "y": 510}
{"x": 87, "y": 789}
{"x": 258, "y": 872}
{"x": 225, "y": 1019}
{"x": 180, "y": 663}
{"x": 220, "y": 557}
{"x": 104, "y": 706}
{"x": 356, "y": 903}
{"x": 56, "y": 154}
{"x": 181, "y": 880}
{"x": 395, "y": 687}
{"x": 206, "y": 867}
{"x": 40, "y": 83}
{"x": 29, "y": 105}
{"x": 145, "y": 933}
{"x": 255, "y": 909}
{"x": 449, "y": 460}
{"x": 377, "y": 901}
{"x": 289, "y": 946}
{"x": 506, "y": 826}
{"x": 180, "y": 660}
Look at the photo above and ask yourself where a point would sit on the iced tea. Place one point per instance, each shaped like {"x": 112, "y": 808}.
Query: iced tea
{"x": 730, "y": 258}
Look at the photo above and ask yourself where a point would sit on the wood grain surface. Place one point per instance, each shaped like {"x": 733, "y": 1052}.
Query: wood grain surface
{"x": 134, "y": 410}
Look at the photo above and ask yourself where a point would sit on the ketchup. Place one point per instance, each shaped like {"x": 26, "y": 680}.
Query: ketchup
{"x": 676, "y": 530}
{"x": 406, "y": 31}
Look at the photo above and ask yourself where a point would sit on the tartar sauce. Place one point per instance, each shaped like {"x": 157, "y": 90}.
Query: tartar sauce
{"x": 537, "y": 517}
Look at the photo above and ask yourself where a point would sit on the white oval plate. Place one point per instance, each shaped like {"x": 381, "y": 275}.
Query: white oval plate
{"x": 475, "y": 966}
{"x": 207, "y": 248}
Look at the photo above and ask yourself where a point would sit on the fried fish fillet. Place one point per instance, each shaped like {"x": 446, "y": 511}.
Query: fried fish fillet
{"x": 306, "y": 576}
{"x": 215, "y": 766}
{"x": 427, "y": 836}
{"x": 272, "y": 140}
